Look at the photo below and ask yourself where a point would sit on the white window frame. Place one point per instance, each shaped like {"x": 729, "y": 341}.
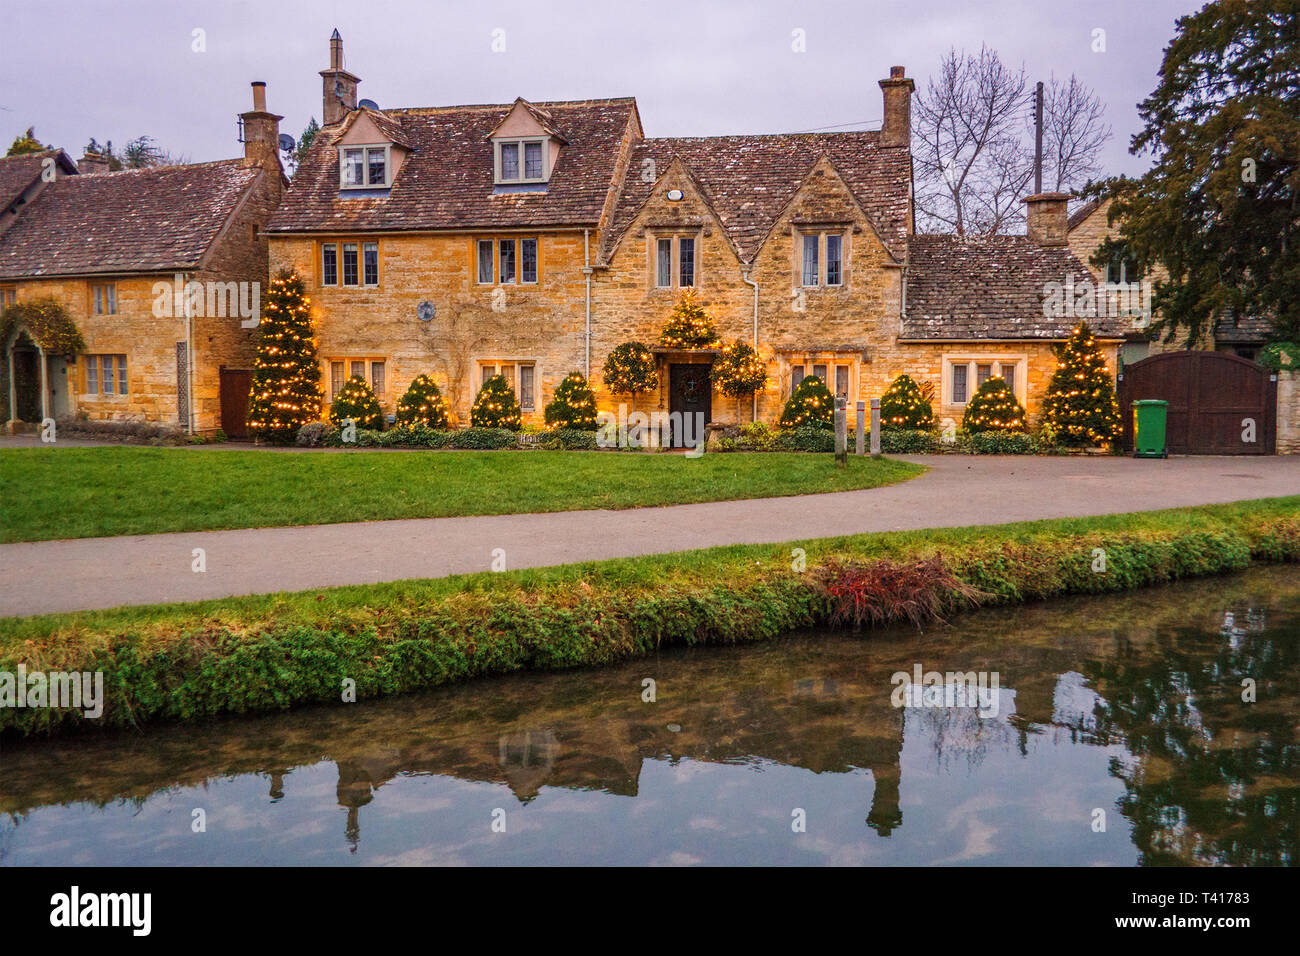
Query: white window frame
{"x": 972, "y": 361}
{"x": 821, "y": 280}
{"x": 522, "y": 142}
{"x": 675, "y": 258}
{"x": 366, "y": 149}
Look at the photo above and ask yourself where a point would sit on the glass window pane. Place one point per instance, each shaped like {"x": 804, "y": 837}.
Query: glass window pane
{"x": 833, "y": 272}
{"x": 377, "y": 377}
{"x": 376, "y": 161}
{"x": 959, "y": 384}
{"x": 509, "y": 160}
{"x": 796, "y": 376}
{"x": 370, "y": 256}
{"x": 99, "y": 299}
{"x": 1008, "y": 371}
{"x": 349, "y": 263}
{"x": 488, "y": 372}
{"x": 686, "y": 255}
{"x": 121, "y": 375}
{"x": 357, "y": 369}
{"x": 507, "y": 259}
{"x": 92, "y": 374}
{"x": 810, "y": 270}
{"x": 842, "y": 380}
{"x": 526, "y": 387}
{"x": 110, "y": 295}
{"x": 533, "y": 160}
{"x": 528, "y": 259}
{"x": 663, "y": 263}
{"x": 982, "y": 374}
{"x": 820, "y": 372}
{"x": 329, "y": 264}
{"x": 336, "y": 378}
{"x": 485, "y": 261}
{"x": 106, "y": 373}
{"x": 352, "y": 163}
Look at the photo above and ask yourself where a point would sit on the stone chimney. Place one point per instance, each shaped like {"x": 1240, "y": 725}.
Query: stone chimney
{"x": 896, "y": 130}
{"x": 92, "y": 164}
{"x": 1046, "y": 218}
{"x": 261, "y": 131}
{"x": 339, "y": 87}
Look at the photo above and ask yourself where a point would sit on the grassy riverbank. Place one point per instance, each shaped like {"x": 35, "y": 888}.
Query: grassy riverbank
{"x": 239, "y": 655}
{"x": 93, "y": 492}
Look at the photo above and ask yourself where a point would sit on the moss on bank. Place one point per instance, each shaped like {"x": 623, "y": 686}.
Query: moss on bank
{"x": 243, "y": 655}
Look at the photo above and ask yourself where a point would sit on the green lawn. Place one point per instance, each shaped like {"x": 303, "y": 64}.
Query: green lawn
{"x": 51, "y": 493}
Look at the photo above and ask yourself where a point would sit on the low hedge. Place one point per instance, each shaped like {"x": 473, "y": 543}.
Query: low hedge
{"x": 264, "y": 654}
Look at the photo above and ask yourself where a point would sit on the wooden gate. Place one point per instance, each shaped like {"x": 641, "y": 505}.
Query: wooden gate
{"x": 235, "y": 385}
{"x": 1219, "y": 404}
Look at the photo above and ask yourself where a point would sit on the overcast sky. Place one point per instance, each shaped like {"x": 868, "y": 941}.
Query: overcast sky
{"x": 115, "y": 70}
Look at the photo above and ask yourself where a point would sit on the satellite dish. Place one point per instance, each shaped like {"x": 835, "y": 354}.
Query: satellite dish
{"x": 369, "y": 105}
{"x": 287, "y": 144}
{"x": 426, "y": 310}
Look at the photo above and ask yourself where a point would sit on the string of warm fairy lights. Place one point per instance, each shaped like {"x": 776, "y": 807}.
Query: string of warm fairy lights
{"x": 496, "y": 406}
{"x": 422, "y": 404}
{"x": 905, "y": 406}
{"x": 573, "y": 404}
{"x": 1080, "y": 405}
{"x": 739, "y": 370}
{"x": 286, "y": 392}
{"x": 994, "y": 408}
{"x": 631, "y": 368}
{"x": 689, "y": 326}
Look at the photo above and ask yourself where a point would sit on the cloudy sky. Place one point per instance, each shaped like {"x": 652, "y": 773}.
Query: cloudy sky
{"x": 116, "y": 70}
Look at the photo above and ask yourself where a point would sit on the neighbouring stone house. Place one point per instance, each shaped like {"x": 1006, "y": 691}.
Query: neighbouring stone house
{"x": 105, "y": 245}
{"x": 530, "y": 239}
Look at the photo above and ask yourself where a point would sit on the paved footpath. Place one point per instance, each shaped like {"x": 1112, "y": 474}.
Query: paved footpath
{"x": 959, "y": 490}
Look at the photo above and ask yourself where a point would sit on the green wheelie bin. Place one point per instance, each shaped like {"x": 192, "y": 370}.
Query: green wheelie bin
{"x": 1149, "y": 428}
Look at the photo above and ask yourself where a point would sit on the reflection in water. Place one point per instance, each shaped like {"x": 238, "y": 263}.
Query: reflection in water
{"x": 1130, "y": 705}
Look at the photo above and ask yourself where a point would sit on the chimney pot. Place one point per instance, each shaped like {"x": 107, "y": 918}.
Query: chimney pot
{"x": 259, "y": 96}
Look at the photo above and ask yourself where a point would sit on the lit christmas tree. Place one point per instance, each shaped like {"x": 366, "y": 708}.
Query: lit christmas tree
{"x": 573, "y": 405}
{"x": 630, "y": 369}
{"x": 810, "y": 404}
{"x": 739, "y": 372}
{"x": 286, "y": 391}
{"x": 689, "y": 326}
{"x": 496, "y": 406}
{"x": 904, "y": 405}
{"x": 1080, "y": 405}
{"x": 357, "y": 402}
{"x": 422, "y": 404}
{"x": 993, "y": 408}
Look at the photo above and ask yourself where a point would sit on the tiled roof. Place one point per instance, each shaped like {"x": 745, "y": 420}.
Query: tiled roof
{"x": 1247, "y": 330}
{"x": 19, "y": 172}
{"x": 143, "y": 220}
{"x": 964, "y": 289}
{"x": 447, "y": 181}
{"x": 1080, "y": 215}
{"x": 749, "y": 180}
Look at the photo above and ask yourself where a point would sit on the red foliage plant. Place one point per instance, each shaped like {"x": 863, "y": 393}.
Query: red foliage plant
{"x": 882, "y": 592}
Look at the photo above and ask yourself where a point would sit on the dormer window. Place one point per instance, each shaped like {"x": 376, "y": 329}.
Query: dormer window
{"x": 364, "y": 167}
{"x": 521, "y": 161}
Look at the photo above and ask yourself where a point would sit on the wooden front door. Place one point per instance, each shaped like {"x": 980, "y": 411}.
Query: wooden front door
{"x": 689, "y": 393}
{"x": 1216, "y": 402}
{"x": 235, "y": 386}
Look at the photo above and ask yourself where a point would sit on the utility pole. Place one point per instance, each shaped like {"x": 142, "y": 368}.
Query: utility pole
{"x": 1038, "y": 138}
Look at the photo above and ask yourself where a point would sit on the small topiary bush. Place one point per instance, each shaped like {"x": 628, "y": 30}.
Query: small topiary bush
{"x": 422, "y": 404}
{"x": 496, "y": 406}
{"x": 573, "y": 405}
{"x": 811, "y": 404}
{"x": 356, "y": 401}
{"x": 904, "y": 405}
{"x": 994, "y": 408}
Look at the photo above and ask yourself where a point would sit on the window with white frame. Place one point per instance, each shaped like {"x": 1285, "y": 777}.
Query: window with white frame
{"x": 964, "y": 375}
{"x": 521, "y": 161}
{"x": 520, "y": 376}
{"x": 821, "y": 259}
{"x": 364, "y": 167}
{"x": 675, "y": 262}
{"x": 105, "y": 374}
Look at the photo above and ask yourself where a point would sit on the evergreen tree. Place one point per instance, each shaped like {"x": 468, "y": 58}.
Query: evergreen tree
{"x": 422, "y": 404}
{"x": 304, "y": 144}
{"x": 811, "y": 403}
{"x": 573, "y": 405}
{"x": 286, "y": 392}
{"x": 994, "y": 408}
{"x": 904, "y": 405}
{"x": 689, "y": 326}
{"x": 1080, "y": 405}
{"x": 496, "y": 406}
{"x": 356, "y": 401}
{"x": 26, "y": 143}
{"x": 739, "y": 372}
{"x": 631, "y": 368}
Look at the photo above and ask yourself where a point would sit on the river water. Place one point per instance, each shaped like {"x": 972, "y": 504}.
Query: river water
{"x": 1116, "y": 734}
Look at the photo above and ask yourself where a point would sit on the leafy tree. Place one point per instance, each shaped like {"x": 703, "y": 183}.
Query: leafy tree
{"x": 422, "y": 404}
{"x": 811, "y": 404}
{"x": 904, "y": 405}
{"x": 1080, "y": 405}
{"x": 26, "y": 143}
{"x": 496, "y": 406}
{"x": 141, "y": 153}
{"x": 357, "y": 401}
{"x": 739, "y": 372}
{"x": 573, "y": 405}
{"x": 689, "y": 326}
{"x": 1217, "y": 209}
{"x": 286, "y": 392}
{"x": 631, "y": 368}
{"x": 994, "y": 408}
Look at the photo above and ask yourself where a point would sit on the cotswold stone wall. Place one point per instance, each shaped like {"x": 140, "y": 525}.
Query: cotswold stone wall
{"x": 1288, "y": 413}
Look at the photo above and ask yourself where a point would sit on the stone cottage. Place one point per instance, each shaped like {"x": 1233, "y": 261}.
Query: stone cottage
{"x": 530, "y": 239}
{"x": 160, "y": 270}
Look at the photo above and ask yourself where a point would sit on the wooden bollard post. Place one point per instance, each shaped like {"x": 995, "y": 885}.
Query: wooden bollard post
{"x": 841, "y": 433}
{"x": 860, "y": 433}
{"x": 875, "y": 428}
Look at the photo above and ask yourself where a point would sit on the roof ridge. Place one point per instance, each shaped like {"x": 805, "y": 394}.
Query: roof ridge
{"x": 605, "y": 101}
